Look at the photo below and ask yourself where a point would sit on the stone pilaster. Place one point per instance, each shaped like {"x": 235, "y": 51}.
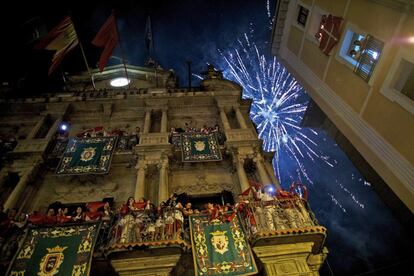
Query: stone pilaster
{"x": 36, "y": 128}
{"x": 163, "y": 184}
{"x": 240, "y": 118}
{"x": 164, "y": 121}
{"x": 224, "y": 120}
{"x": 147, "y": 121}
{"x": 264, "y": 177}
{"x": 140, "y": 180}
{"x": 25, "y": 177}
{"x": 244, "y": 182}
{"x": 271, "y": 172}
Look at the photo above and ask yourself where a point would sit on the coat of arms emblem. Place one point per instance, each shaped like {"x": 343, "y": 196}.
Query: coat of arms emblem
{"x": 200, "y": 145}
{"x": 50, "y": 263}
{"x": 220, "y": 241}
{"x": 88, "y": 154}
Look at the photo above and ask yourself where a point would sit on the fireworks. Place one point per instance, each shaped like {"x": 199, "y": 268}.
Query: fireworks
{"x": 279, "y": 103}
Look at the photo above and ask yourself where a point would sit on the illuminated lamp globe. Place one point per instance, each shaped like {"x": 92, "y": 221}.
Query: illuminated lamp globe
{"x": 119, "y": 82}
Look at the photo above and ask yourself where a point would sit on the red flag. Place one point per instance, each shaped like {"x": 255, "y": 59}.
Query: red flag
{"x": 107, "y": 37}
{"x": 329, "y": 32}
{"x": 62, "y": 39}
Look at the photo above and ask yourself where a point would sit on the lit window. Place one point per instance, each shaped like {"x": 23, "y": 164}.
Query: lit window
{"x": 361, "y": 51}
{"x": 368, "y": 57}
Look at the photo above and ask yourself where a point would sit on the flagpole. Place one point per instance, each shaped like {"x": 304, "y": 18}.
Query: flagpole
{"x": 122, "y": 50}
{"x": 84, "y": 56}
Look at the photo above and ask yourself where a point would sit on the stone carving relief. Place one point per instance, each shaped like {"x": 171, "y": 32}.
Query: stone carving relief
{"x": 72, "y": 189}
{"x": 202, "y": 186}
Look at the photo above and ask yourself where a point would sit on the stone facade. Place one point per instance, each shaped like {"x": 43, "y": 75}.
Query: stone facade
{"x": 151, "y": 168}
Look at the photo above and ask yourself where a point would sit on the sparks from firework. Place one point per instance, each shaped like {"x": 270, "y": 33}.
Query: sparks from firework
{"x": 279, "y": 103}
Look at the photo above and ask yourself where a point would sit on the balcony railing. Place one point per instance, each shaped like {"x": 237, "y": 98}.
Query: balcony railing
{"x": 281, "y": 219}
{"x": 164, "y": 227}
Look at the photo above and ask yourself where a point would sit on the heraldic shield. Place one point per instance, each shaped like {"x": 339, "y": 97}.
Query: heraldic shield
{"x": 220, "y": 247}
{"x": 50, "y": 263}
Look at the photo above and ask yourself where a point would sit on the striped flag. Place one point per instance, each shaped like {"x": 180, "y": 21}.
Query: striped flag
{"x": 61, "y": 39}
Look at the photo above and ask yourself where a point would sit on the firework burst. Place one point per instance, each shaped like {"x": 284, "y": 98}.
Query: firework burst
{"x": 279, "y": 103}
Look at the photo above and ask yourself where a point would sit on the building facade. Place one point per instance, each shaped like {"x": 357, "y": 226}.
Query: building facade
{"x": 355, "y": 59}
{"x": 149, "y": 118}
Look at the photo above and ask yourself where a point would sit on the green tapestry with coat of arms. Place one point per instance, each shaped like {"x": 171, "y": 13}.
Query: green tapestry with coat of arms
{"x": 220, "y": 248}
{"x": 87, "y": 156}
{"x": 199, "y": 147}
{"x": 54, "y": 251}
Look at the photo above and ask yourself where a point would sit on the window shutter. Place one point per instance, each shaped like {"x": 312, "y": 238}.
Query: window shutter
{"x": 366, "y": 63}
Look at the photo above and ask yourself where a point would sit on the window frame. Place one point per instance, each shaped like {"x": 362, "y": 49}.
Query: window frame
{"x": 310, "y": 32}
{"x": 295, "y": 21}
{"x": 388, "y": 87}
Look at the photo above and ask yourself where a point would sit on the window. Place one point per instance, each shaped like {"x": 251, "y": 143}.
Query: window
{"x": 398, "y": 85}
{"x": 360, "y": 52}
{"x": 314, "y": 24}
{"x": 369, "y": 53}
{"x": 404, "y": 79}
{"x": 302, "y": 15}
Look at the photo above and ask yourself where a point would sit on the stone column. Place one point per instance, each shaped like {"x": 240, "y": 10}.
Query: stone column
{"x": 264, "y": 177}
{"x": 18, "y": 190}
{"x": 224, "y": 119}
{"x": 240, "y": 118}
{"x": 53, "y": 129}
{"x": 271, "y": 172}
{"x": 244, "y": 182}
{"x": 140, "y": 180}
{"x": 163, "y": 184}
{"x": 36, "y": 128}
{"x": 147, "y": 121}
{"x": 164, "y": 121}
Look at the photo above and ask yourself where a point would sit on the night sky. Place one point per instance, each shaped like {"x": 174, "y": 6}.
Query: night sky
{"x": 363, "y": 234}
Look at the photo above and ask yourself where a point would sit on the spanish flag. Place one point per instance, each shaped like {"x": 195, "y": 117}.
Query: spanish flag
{"x": 61, "y": 39}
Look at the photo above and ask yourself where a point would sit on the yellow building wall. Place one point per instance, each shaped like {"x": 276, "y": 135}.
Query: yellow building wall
{"x": 344, "y": 82}
{"x": 295, "y": 40}
{"x": 375, "y": 19}
{"x": 314, "y": 58}
{"x": 388, "y": 118}
{"x": 335, "y": 7}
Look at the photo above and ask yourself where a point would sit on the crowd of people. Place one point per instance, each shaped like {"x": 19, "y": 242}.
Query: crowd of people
{"x": 142, "y": 221}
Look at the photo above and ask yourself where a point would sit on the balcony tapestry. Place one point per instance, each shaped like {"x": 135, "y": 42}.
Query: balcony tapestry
{"x": 63, "y": 250}
{"x": 220, "y": 246}
{"x": 199, "y": 147}
{"x": 87, "y": 156}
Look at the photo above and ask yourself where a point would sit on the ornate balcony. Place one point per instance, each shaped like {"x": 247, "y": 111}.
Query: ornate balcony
{"x": 281, "y": 221}
{"x": 148, "y": 228}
